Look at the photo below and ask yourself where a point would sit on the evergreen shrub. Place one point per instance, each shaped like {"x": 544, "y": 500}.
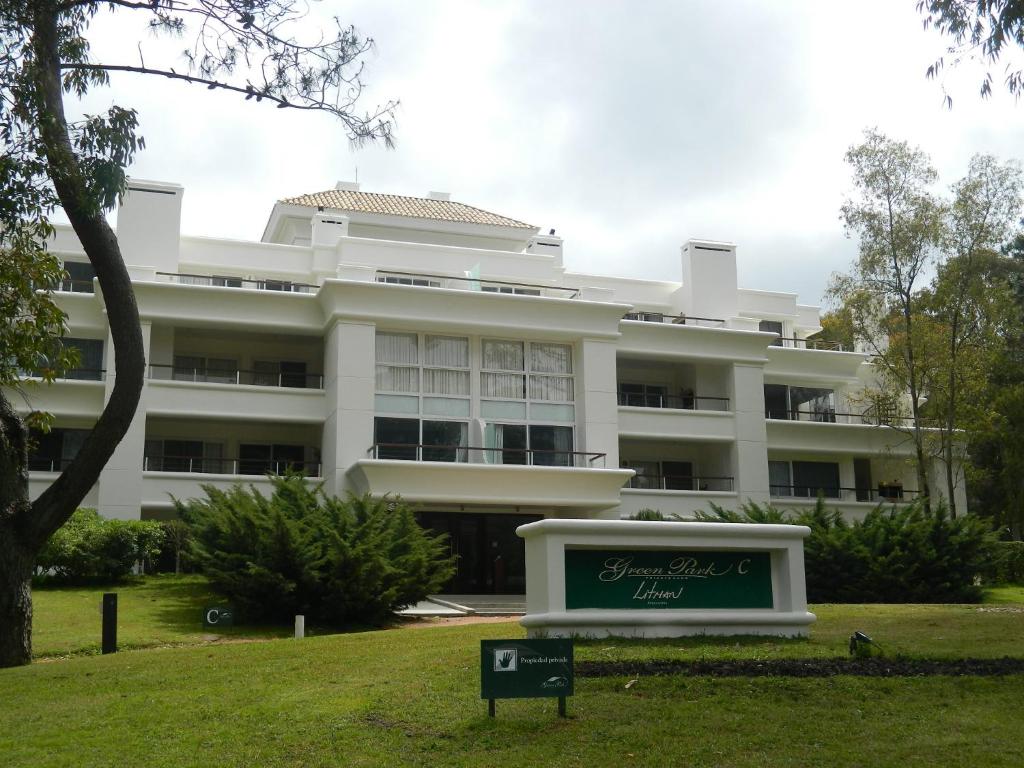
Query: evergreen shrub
{"x": 894, "y": 555}
{"x": 89, "y": 548}
{"x": 299, "y": 551}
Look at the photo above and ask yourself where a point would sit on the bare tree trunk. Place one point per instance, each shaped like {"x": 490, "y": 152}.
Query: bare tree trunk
{"x": 16, "y": 565}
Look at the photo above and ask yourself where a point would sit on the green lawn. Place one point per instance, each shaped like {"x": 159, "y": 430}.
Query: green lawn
{"x": 410, "y": 697}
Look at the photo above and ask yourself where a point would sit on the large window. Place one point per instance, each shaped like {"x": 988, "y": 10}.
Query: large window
{"x": 799, "y": 403}
{"x": 538, "y": 371}
{"x": 546, "y": 445}
{"x": 442, "y": 369}
{"x": 804, "y": 479}
{"x": 90, "y": 359}
{"x": 772, "y": 326}
{"x": 53, "y": 451}
{"x": 416, "y": 440}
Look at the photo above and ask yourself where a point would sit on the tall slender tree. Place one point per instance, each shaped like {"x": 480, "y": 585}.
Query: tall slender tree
{"x": 242, "y": 47}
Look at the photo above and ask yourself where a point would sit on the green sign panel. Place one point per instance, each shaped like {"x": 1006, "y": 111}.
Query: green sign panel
{"x": 218, "y": 616}
{"x": 520, "y": 669}
{"x": 653, "y": 579}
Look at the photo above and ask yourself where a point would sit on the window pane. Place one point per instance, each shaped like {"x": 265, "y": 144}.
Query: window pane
{"x": 397, "y": 348}
{"x": 396, "y": 438}
{"x": 772, "y": 326}
{"x": 776, "y": 401}
{"x": 90, "y": 358}
{"x": 810, "y": 477}
{"x": 506, "y": 443}
{"x": 509, "y": 385}
{"x": 439, "y": 381}
{"x": 550, "y": 358}
{"x": 503, "y": 355}
{"x": 812, "y": 404}
{"x": 551, "y": 446}
{"x": 556, "y": 388}
{"x": 188, "y": 368}
{"x": 446, "y": 435}
{"x": 446, "y": 352}
{"x": 778, "y": 478}
{"x": 392, "y": 378}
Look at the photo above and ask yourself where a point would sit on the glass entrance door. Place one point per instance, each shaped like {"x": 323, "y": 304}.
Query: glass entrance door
{"x": 489, "y": 557}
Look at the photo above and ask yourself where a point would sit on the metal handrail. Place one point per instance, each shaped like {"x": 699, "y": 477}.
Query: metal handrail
{"x": 475, "y": 455}
{"x": 67, "y": 285}
{"x": 237, "y": 376}
{"x": 225, "y": 466}
{"x": 659, "y": 317}
{"x": 679, "y": 402}
{"x": 73, "y": 374}
{"x": 652, "y": 482}
{"x": 891, "y": 494}
{"x": 835, "y": 417}
{"x": 573, "y": 292}
{"x": 43, "y": 464}
{"x": 795, "y": 342}
{"x": 225, "y": 281}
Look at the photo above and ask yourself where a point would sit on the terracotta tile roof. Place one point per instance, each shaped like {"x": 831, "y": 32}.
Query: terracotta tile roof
{"x": 400, "y": 205}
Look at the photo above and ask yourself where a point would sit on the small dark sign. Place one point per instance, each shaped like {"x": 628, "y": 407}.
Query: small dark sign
{"x": 218, "y": 616}
{"x": 666, "y": 579}
{"x": 518, "y": 669}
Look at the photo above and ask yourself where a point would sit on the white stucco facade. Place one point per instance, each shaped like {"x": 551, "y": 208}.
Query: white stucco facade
{"x": 458, "y": 364}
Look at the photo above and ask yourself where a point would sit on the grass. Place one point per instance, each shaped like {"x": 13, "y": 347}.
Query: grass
{"x": 405, "y": 697}
{"x": 154, "y": 611}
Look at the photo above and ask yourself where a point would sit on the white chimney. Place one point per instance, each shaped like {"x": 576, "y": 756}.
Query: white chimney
{"x": 149, "y": 224}
{"x": 709, "y": 279}
{"x": 446, "y": 196}
{"x": 347, "y": 186}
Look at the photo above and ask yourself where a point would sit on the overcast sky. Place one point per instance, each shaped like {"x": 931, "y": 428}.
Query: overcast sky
{"x": 628, "y": 126}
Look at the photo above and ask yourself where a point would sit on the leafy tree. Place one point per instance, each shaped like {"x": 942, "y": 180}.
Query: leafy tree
{"x": 90, "y": 548}
{"x": 245, "y": 48}
{"x": 967, "y": 303}
{"x": 899, "y": 224}
{"x": 980, "y": 29}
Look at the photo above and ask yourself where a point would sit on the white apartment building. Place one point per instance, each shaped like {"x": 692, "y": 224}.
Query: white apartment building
{"x": 423, "y": 348}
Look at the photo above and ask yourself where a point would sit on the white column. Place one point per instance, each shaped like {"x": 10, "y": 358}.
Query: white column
{"x": 751, "y": 451}
{"x": 600, "y": 417}
{"x": 349, "y": 383}
{"x": 120, "y": 484}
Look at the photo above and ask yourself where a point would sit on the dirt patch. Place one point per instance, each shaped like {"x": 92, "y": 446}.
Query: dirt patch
{"x": 876, "y": 667}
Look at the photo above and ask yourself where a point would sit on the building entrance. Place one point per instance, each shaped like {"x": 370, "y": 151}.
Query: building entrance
{"x": 489, "y": 557}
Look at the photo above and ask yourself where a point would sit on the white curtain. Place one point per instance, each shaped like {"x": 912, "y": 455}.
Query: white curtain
{"x": 507, "y": 385}
{"x": 494, "y": 437}
{"x": 446, "y": 352}
{"x": 397, "y": 348}
{"x": 394, "y": 378}
{"x": 503, "y": 355}
{"x": 550, "y": 358}
{"x": 442, "y": 381}
{"x": 553, "y": 388}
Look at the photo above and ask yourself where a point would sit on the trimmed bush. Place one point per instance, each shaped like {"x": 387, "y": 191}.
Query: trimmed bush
{"x": 1007, "y": 565}
{"x": 300, "y": 551}
{"x": 89, "y": 548}
{"x": 901, "y": 555}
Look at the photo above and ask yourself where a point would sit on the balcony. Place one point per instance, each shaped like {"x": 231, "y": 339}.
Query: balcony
{"x": 221, "y": 466}
{"x": 570, "y": 482}
{"x": 425, "y": 280}
{"x": 658, "y": 317}
{"x": 648, "y": 482}
{"x": 794, "y": 342}
{"x": 207, "y": 375}
{"x": 225, "y": 281}
{"x": 883, "y": 494}
{"x": 679, "y": 402}
{"x": 533, "y": 457}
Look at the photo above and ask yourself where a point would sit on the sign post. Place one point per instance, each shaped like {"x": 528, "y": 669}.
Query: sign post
{"x": 523, "y": 669}
{"x": 218, "y": 616}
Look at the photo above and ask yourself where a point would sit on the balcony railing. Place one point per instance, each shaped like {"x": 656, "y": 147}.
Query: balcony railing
{"x": 46, "y": 464}
{"x": 892, "y": 494}
{"x": 261, "y": 284}
{"x": 424, "y": 280}
{"x": 75, "y": 374}
{"x": 67, "y": 285}
{"x": 658, "y": 317}
{"x": 792, "y": 342}
{"x": 680, "y": 483}
{"x": 681, "y": 402}
{"x": 537, "y": 457}
{"x": 210, "y": 466}
{"x": 250, "y": 378}
{"x": 834, "y": 417}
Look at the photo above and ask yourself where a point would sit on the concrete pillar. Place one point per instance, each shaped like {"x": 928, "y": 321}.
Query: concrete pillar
{"x": 751, "y": 450}
{"x": 349, "y": 381}
{"x": 597, "y": 397}
{"x": 149, "y": 224}
{"x": 120, "y": 483}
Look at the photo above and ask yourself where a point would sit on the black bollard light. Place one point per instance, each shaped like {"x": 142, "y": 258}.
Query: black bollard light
{"x": 110, "y": 622}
